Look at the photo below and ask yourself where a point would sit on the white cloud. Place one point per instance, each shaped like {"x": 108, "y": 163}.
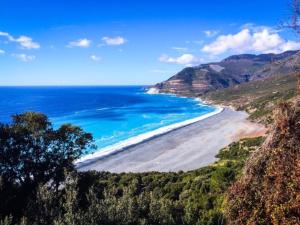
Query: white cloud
{"x": 24, "y": 41}
{"x": 259, "y": 40}
{"x": 290, "y": 45}
{"x": 210, "y": 33}
{"x": 24, "y": 57}
{"x": 185, "y": 59}
{"x": 2, "y": 52}
{"x": 180, "y": 49}
{"x": 114, "y": 40}
{"x": 7, "y": 35}
{"x": 95, "y": 58}
{"x": 27, "y": 42}
{"x": 257, "y": 28}
{"x": 83, "y": 43}
{"x": 224, "y": 43}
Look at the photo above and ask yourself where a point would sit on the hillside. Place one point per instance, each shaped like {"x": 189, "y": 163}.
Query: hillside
{"x": 268, "y": 192}
{"x": 259, "y": 97}
{"x": 187, "y": 198}
{"x": 256, "y": 181}
{"x": 234, "y": 70}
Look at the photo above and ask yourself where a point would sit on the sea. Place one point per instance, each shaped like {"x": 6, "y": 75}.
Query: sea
{"x": 117, "y": 116}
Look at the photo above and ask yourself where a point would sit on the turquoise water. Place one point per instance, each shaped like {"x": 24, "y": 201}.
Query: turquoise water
{"x": 111, "y": 114}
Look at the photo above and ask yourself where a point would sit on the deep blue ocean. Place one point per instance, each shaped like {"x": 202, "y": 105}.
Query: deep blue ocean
{"x": 112, "y": 114}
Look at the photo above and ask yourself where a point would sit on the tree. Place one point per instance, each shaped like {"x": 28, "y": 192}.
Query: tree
{"x": 33, "y": 153}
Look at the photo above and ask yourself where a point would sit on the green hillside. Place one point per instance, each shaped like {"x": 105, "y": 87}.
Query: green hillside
{"x": 259, "y": 97}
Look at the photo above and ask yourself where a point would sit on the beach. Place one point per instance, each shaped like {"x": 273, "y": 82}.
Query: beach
{"x": 183, "y": 149}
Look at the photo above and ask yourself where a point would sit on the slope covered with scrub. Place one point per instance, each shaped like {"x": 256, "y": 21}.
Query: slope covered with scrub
{"x": 195, "y": 197}
{"x": 258, "y": 98}
{"x": 269, "y": 190}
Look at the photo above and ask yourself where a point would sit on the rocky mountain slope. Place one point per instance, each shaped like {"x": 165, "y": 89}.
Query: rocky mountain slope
{"x": 237, "y": 69}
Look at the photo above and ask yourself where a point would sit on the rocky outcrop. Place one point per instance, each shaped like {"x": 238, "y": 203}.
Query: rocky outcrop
{"x": 237, "y": 69}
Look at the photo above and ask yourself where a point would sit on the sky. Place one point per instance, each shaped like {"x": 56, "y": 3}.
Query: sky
{"x": 91, "y": 42}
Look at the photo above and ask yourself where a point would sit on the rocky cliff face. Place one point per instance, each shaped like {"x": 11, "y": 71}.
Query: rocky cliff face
{"x": 237, "y": 69}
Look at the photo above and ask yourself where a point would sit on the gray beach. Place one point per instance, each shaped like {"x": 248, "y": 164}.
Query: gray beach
{"x": 185, "y": 148}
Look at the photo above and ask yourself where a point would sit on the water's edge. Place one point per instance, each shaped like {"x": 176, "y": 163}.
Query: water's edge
{"x": 118, "y": 147}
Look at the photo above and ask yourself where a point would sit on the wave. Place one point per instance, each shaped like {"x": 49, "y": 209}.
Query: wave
{"x": 152, "y": 91}
{"x": 112, "y": 149}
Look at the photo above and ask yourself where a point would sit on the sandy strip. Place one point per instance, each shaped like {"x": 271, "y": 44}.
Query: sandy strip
{"x": 113, "y": 149}
{"x": 186, "y": 148}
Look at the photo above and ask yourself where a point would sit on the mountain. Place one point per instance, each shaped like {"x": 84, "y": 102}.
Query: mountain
{"x": 281, "y": 66}
{"x": 236, "y": 69}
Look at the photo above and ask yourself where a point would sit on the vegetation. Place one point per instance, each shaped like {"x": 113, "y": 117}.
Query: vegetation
{"x": 195, "y": 197}
{"x": 258, "y": 98}
{"x": 32, "y": 154}
{"x": 269, "y": 190}
{"x": 251, "y": 183}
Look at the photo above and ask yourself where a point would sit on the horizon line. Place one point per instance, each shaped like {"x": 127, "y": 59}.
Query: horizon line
{"x": 78, "y": 85}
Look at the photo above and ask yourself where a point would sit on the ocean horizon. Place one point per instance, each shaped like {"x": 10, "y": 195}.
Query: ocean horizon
{"x": 116, "y": 116}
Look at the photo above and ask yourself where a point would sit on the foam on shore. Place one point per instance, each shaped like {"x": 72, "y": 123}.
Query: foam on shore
{"x": 142, "y": 137}
{"x": 152, "y": 91}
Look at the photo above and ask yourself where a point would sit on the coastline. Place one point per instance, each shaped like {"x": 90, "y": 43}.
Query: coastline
{"x": 182, "y": 149}
{"x": 123, "y": 145}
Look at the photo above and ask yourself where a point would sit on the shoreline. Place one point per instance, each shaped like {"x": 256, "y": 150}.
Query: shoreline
{"x": 186, "y": 148}
{"x": 123, "y": 145}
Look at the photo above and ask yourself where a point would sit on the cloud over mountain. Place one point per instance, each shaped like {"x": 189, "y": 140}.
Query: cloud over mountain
{"x": 262, "y": 40}
{"x": 185, "y": 59}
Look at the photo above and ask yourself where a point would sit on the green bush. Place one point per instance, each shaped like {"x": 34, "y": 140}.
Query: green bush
{"x": 187, "y": 198}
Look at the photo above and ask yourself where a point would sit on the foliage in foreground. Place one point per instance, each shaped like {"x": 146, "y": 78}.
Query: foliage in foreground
{"x": 195, "y": 197}
{"x": 269, "y": 190}
{"x": 33, "y": 154}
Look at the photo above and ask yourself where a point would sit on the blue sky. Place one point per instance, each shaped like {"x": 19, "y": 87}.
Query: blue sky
{"x": 130, "y": 42}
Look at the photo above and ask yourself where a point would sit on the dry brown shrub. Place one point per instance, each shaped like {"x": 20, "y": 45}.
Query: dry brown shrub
{"x": 268, "y": 192}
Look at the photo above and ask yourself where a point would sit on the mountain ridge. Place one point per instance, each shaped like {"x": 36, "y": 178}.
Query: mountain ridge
{"x": 233, "y": 70}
